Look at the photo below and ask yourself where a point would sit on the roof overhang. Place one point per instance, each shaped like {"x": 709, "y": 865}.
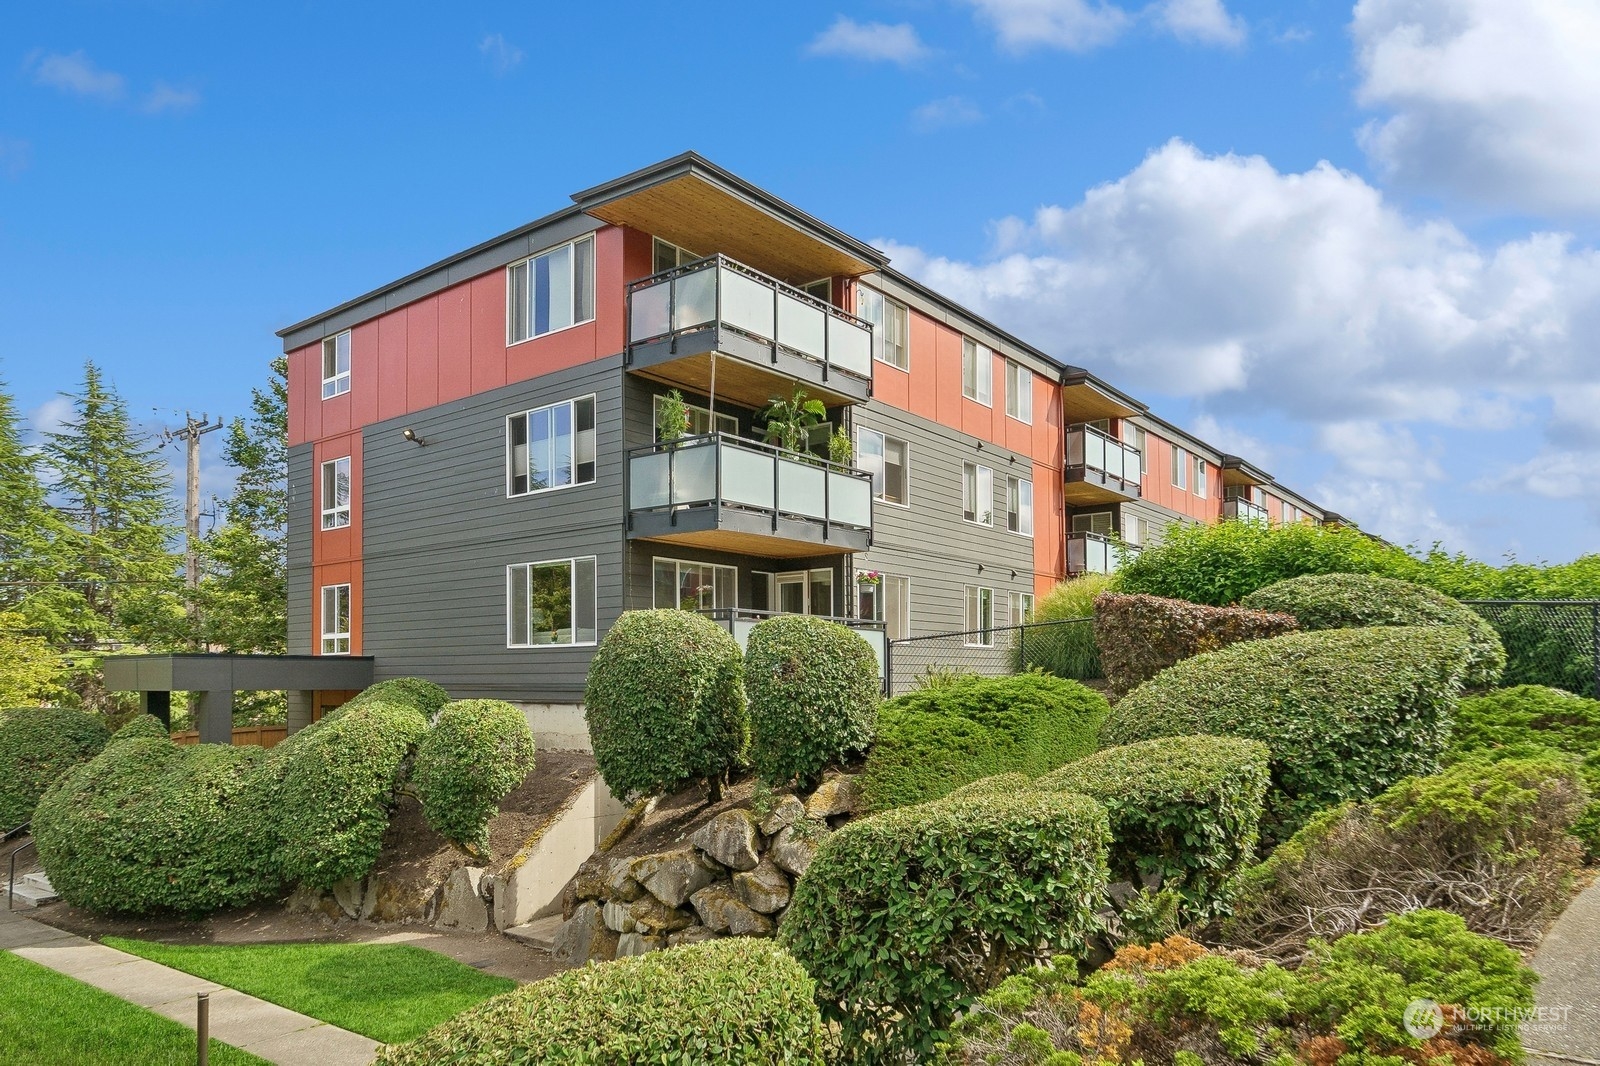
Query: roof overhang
{"x": 1237, "y": 471}
{"x": 235, "y": 673}
{"x": 1085, "y": 398}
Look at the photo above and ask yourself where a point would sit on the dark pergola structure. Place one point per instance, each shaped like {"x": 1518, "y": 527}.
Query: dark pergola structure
{"x": 215, "y": 678}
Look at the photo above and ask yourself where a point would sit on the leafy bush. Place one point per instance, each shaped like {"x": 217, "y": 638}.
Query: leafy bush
{"x": 814, "y": 691}
{"x": 1530, "y": 721}
{"x": 476, "y": 753}
{"x": 1345, "y": 712}
{"x": 331, "y": 788}
{"x": 737, "y": 1000}
{"x": 148, "y": 826}
{"x": 37, "y": 746}
{"x": 1140, "y": 636}
{"x": 1066, "y": 650}
{"x": 665, "y": 702}
{"x": 1486, "y": 841}
{"x": 141, "y": 727}
{"x": 1175, "y": 1002}
{"x": 905, "y": 917}
{"x": 934, "y": 739}
{"x": 1186, "y": 808}
{"x": 422, "y": 696}
{"x": 1348, "y": 601}
{"x": 998, "y": 785}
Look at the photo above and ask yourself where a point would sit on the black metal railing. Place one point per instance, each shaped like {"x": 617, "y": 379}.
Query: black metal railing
{"x": 1096, "y": 553}
{"x": 11, "y": 872}
{"x": 1548, "y": 642}
{"x": 1095, "y": 450}
{"x": 1064, "y": 647}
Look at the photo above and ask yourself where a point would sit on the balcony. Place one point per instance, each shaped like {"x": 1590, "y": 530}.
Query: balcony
{"x": 739, "y": 621}
{"x": 1100, "y": 468}
{"x": 736, "y": 495}
{"x": 1238, "y": 509}
{"x": 1092, "y": 553}
{"x": 680, "y": 320}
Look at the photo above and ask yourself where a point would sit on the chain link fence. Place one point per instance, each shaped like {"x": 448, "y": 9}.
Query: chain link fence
{"x": 1548, "y": 642}
{"x": 1066, "y": 648}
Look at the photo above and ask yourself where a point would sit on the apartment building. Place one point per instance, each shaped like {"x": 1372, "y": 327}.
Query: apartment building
{"x": 478, "y": 486}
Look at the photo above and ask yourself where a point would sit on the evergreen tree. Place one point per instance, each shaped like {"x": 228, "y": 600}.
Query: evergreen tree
{"x": 27, "y": 524}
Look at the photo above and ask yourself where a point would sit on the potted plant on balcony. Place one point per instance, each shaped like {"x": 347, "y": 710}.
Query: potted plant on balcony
{"x": 789, "y": 422}
{"x": 672, "y": 418}
{"x": 841, "y": 449}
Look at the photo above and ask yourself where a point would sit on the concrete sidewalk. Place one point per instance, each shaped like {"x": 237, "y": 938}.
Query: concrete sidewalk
{"x": 1568, "y": 996}
{"x": 264, "y": 1029}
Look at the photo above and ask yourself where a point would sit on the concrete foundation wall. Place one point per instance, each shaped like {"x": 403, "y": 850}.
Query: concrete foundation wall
{"x": 557, "y": 726}
{"x": 533, "y": 889}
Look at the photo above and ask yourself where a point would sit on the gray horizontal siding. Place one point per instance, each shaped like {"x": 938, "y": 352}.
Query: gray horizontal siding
{"x": 302, "y": 503}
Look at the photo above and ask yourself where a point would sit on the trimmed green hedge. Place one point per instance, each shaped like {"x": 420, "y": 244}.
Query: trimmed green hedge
{"x": 997, "y": 785}
{"x": 936, "y": 739}
{"x": 148, "y": 826}
{"x": 1345, "y": 712}
{"x": 1140, "y": 636}
{"x": 37, "y": 746}
{"x": 814, "y": 692}
{"x": 905, "y": 917}
{"x": 1349, "y": 601}
{"x": 476, "y": 753}
{"x": 421, "y": 695}
{"x": 665, "y": 703}
{"x": 141, "y": 727}
{"x": 1186, "y": 808}
{"x": 718, "y": 1003}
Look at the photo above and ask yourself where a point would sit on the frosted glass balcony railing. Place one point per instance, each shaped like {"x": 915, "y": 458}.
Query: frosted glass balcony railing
{"x": 1092, "y": 553}
{"x": 727, "y": 471}
{"x": 1091, "y": 448}
{"x": 718, "y": 290}
{"x": 1242, "y": 510}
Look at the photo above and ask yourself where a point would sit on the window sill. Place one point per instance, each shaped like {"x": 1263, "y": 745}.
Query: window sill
{"x": 548, "y": 333}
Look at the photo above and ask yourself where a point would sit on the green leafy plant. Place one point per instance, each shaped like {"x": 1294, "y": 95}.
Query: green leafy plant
{"x": 37, "y": 746}
{"x": 737, "y": 1000}
{"x": 905, "y": 917}
{"x": 1066, "y": 650}
{"x": 788, "y": 423}
{"x": 419, "y": 694}
{"x": 1345, "y": 712}
{"x": 936, "y": 739}
{"x": 141, "y": 727}
{"x": 672, "y": 417}
{"x": 1140, "y": 636}
{"x": 814, "y": 692}
{"x": 475, "y": 754}
{"x": 665, "y": 703}
{"x": 841, "y": 449}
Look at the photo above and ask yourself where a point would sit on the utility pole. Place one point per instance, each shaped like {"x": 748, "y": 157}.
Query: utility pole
{"x": 190, "y": 434}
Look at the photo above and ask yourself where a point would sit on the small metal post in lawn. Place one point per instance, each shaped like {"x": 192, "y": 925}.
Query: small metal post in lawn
{"x": 202, "y": 1028}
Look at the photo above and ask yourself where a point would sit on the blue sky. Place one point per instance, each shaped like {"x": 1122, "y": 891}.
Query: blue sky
{"x": 1356, "y": 242}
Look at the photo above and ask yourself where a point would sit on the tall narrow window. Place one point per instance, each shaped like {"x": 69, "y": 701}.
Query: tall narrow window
{"x": 1019, "y": 391}
{"x": 551, "y": 603}
{"x": 980, "y": 617}
{"x": 977, "y": 494}
{"x": 336, "y": 493}
{"x": 336, "y": 619}
{"x": 890, "y": 326}
{"x": 1132, "y": 530}
{"x": 1200, "y": 477}
{"x": 869, "y": 595}
{"x": 550, "y": 447}
{"x": 885, "y": 458}
{"x": 1019, "y": 505}
{"x": 897, "y": 607}
{"x": 1021, "y": 605}
{"x": 551, "y": 291}
{"x": 1180, "y": 467}
{"x": 977, "y": 371}
{"x": 336, "y": 365}
{"x": 1133, "y": 436}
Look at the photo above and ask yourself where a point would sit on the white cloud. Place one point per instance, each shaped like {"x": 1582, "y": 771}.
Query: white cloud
{"x": 1073, "y": 25}
{"x": 501, "y": 53}
{"x": 77, "y": 74}
{"x": 949, "y": 111}
{"x": 166, "y": 97}
{"x": 1200, "y": 22}
{"x": 49, "y": 417}
{"x": 1229, "y": 438}
{"x": 872, "y": 41}
{"x": 1489, "y": 100}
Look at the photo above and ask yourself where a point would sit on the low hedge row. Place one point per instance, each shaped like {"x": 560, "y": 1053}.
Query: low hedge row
{"x": 37, "y": 746}
{"x": 475, "y": 754}
{"x": 1140, "y": 636}
{"x": 814, "y": 692}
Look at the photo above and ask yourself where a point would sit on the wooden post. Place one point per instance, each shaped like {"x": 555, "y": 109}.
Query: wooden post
{"x": 202, "y": 1029}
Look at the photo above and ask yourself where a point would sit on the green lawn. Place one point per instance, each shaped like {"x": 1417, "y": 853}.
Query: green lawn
{"x": 47, "y": 1017}
{"x": 390, "y": 992}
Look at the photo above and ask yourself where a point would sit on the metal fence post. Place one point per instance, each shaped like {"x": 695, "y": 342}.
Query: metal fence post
{"x": 1594, "y": 645}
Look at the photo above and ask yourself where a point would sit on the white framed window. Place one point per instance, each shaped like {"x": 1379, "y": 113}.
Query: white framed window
{"x": 977, "y": 494}
{"x": 1019, "y": 505}
{"x": 1133, "y": 530}
{"x": 336, "y": 493}
{"x": 336, "y": 619}
{"x": 1133, "y": 436}
{"x": 980, "y": 617}
{"x": 700, "y": 420}
{"x": 891, "y": 326}
{"x": 550, "y": 447}
{"x": 1019, "y": 391}
{"x": 821, "y": 289}
{"x": 1096, "y": 522}
{"x": 888, "y": 460}
{"x": 977, "y": 371}
{"x": 551, "y": 603}
{"x": 1021, "y": 607}
{"x": 666, "y": 256}
{"x": 691, "y": 586}
{"x": 869, "y": 595}
{"x": 886, "y": 600}
{"x": 550, "y": 291}
{"x": 1200, "y": 477}
{"x": 1180, "y": 467}
{"x": 336, "y": 365}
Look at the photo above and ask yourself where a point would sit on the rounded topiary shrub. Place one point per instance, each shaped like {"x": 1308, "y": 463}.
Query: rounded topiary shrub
{"x": 332, "y": 786}
{"x": 422, "y": 696}
{"x": 141, "y": 727}
{"x": 37, "y": 746}
{"x": 665, "y": 703}
{"x": 476, "y": 753}
{"x": 738, "y": 1000}
{"x": 1185, "y": 808}
{"x": 905, "y": 917}
{"x": 997, "y": 785}
{"x": 149, "y": 827}
{"x": 936, "y": 739}
{"x": 1348, "y": 601}
{"x": 814, "y": 691}
{"x": 1345, "y": 712}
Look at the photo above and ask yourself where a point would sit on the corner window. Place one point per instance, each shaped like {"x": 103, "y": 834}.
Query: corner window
{"x": 336, "y": 619}
{"x": 336, "y": 365}
{"x": 980, "y": 617}
{"x": 1096, "y": 522}
{"x": 1180, "y": 467}
{"x": 1019, "y": 505}
{"x": 550, "y": 447}
{"x": 690, "y": 586}
{"x": 550, "y": 291}
{"x": 336, "y": 493}
{"x": 1199, "y": 477}
{"x": 887, "y": 460}
{"x": 551, "y": 603}
{"x": 1019, "y": 392}
{"x": 977, "y": 371}
{"x": 890, "y": 326}
{"x": 1021, "y": 604}
{"x": 977, "y": 494}
{"x": 666, "y": 256}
